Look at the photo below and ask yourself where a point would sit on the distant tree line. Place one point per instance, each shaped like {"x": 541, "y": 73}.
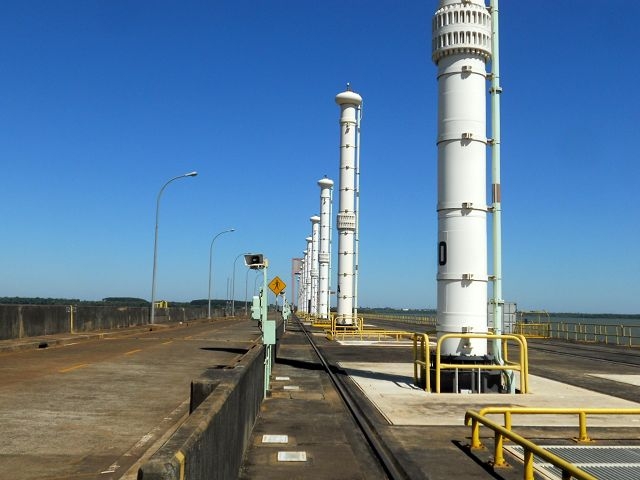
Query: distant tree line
{"x": 105, "y": 302}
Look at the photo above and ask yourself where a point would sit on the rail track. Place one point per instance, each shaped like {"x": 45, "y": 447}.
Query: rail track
{"x": 387, "y": 460}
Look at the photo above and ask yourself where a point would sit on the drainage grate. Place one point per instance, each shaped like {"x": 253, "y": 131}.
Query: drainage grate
{"x": 617, "y": 462}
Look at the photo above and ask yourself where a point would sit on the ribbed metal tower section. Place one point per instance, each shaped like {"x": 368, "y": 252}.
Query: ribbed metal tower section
{"x": 315, "y": 267}
{"x": 346, "y": 219}
{"x": 461, "y": 48}
{"x": 324, "y": 253}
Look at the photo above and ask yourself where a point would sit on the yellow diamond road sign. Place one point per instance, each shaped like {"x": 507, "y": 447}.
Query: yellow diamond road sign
{"x": 276, "y": 285}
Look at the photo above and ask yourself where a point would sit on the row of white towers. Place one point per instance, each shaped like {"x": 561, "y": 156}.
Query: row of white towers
{"x": 314, "y": 275}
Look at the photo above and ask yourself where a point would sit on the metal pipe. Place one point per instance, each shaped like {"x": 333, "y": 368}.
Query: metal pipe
{"x": 356, "y": 258}
{"x": 496, "y": 206}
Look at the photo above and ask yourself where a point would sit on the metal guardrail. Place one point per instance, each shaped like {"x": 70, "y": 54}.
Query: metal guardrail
{"x": 530, "y": 449}
{"x": 422, "y": 361}
{"x": 357, "y": 331}
{"x": 623, "y": 335}
{"x": 412, "y": 319}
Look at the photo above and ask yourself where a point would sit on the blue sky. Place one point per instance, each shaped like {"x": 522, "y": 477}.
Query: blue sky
{"x": 104, "y": 101}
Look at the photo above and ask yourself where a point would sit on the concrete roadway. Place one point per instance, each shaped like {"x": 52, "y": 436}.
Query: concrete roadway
{"x": 92, "y": 409}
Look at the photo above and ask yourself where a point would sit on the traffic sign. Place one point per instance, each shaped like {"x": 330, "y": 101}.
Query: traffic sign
{"x": 277, "y": 286}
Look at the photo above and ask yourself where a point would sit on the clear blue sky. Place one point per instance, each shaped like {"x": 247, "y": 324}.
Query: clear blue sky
{"x": 103, "y": 101}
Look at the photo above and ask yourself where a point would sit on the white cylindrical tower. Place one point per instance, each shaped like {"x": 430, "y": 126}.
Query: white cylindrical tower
{"x": 303, "y": 284}
{"x": 307, "y": 277}
{"x": 315, "y": 274}
{"x": 346, "y": 219}
{"x": 461, "y": 48}
{"x": 324, "y": 254}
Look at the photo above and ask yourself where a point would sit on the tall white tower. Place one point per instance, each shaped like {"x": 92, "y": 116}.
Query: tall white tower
{"x": 315, "y": 245}
{"x": 307, "y": 276}
{"x": 346, "y": 219}
{"x": 461, "y": 46}
{"x": 324, "y": 253}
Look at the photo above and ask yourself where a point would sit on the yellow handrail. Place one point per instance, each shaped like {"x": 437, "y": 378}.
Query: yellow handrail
{"x": 582, "y": 413}
{"x": 522, "y": 367}
{"x": 424, "y": 361}
{"x": 530, "y": 449}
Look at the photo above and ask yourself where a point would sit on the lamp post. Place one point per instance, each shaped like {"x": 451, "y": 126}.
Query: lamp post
{"x": 155, "y": 244}
{"x": 233, "y": 284}
{"x": 246, "y": 292}
{"x": 210, "y": 263}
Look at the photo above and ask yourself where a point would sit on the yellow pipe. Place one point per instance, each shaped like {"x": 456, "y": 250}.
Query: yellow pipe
{"x": 523, "y": 368}
{"x": 530, "y": 449}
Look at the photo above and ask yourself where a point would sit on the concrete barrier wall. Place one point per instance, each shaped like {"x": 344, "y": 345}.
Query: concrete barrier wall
{"x": 20, "y": 321}
{"x": 211, "y": 442}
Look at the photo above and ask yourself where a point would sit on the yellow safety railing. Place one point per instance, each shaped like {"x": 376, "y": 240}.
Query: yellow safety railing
{"x": 422, "y": 361}
{"x": 357, "y": 330}
{"x": 414, "y": 319}
{"x": 530, "y": 449}
{"x": 624, "y": 335}
{"x": 533, "y": 330}
{"x": 320, "y": 322}
{"x": 522, "y": 366}
{"x": 582, "y": 413}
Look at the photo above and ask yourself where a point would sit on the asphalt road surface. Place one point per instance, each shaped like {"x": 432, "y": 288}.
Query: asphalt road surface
{"x": 96, "y": 409}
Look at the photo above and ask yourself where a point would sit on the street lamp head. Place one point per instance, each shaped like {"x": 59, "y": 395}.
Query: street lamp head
{"x": 191, "y": 174}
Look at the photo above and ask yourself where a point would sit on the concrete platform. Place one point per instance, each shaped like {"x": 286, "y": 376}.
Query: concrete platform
{"x": 389, "y": 386}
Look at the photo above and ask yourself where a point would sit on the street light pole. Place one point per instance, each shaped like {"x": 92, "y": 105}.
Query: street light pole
{"x": 246, "y": 292}
{"x": 210, "y": 263}
{"x": 155, "y": 244}
{"x": 233, "y": 285}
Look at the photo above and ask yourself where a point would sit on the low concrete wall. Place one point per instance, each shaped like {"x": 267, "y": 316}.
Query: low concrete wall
{"x": 211, "y": 442}
{"x": 20, "y": 321}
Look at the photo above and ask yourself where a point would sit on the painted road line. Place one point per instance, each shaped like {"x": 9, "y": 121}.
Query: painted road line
{"x": 75, "y": 367}
{"x": 131, "y": 352}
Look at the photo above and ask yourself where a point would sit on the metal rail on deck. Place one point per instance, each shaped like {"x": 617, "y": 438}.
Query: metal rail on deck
{"x": 357, "y": 331}
{"x": 623, "y": 335}
{"x": 422, "y": 360}
{"x": 530, "y": 449}
{"x": 582, "y": 413}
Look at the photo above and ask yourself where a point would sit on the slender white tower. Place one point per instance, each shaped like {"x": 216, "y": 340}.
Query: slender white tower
{"x": 303, "y": 284}
{"x": 461, "y": 47}
{"x": 346, "y": 219}
{"x": 324, "y": 253}
{"x": 315, "y": 274}
{"x": 307, "y": 277}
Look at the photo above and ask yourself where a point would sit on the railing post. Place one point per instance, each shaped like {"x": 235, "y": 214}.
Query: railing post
{"x": 528, "y": 464}
{"x": 583, "y": 437}
{"x": 475, "y": 435}
{"x": 498, "y": 456}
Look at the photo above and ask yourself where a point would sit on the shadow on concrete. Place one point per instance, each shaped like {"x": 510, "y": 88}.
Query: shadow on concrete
{"x": 486, "y": 466}
{"x": 291, "y": 362}
{"x": 239, "y": 351}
